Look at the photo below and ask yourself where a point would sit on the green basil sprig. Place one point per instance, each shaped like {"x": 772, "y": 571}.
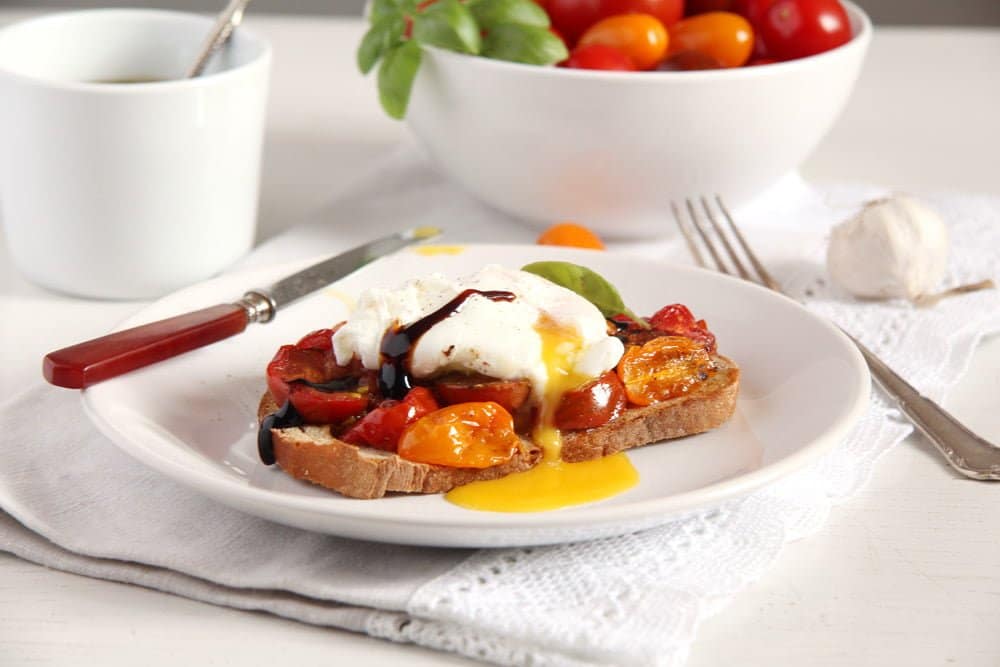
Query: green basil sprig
{"x": 515, "y": 30}
{"x": 589, "y": 284}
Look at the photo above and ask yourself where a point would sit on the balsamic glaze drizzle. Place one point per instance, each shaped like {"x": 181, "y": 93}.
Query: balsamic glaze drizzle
{"x": 394, "y": 378}
{"x": 286, "y": 416}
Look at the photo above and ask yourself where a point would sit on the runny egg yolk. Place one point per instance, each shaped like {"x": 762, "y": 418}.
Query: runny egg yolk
{"x": 552, "y": 483}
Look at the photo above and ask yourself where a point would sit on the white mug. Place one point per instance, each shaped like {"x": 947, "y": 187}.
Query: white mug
{"x": 133, "y": 188}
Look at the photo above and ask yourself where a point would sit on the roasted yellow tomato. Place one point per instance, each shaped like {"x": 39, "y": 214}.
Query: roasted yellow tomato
{"x": 464, "y": 435}
{"x": 664, "y": 368}
{"x": 639, "y": 36}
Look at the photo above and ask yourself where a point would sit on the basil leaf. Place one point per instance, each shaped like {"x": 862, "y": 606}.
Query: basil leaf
{"x": 491, "y": 12}
{"x": 395, "y": 77}
{"x": 381, "y": 37}
{"x": 523, "y": 44}
{"x": 382, "y": 8}
{"x": 448, "y": 24}
{"x": 587, "y": 283}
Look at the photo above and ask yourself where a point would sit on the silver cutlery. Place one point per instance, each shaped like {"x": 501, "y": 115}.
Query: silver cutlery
{"x": 967, "y": 453}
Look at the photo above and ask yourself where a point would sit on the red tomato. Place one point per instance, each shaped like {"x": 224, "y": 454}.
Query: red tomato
{"x": 321, "y": 339}
{"x": 599, "y": 56}
{"x": 382, "y": 427}
{"x": 692, "y": 7}
{"x": 466, "y": 435}
{"x": 572, "y": 17}
{"x": 724, "y": 36}
{"x": 325, "y": 407}
{"x": 641, "y": 37}
{"x": 594, "y": 404}
{"x": 799, "y": 28}
{"x": 677, "y": 320}
{"x": 511, "y": 394}
{"x": 755, "y": 62}
{"x": 754, "y": 11}
{"x": 291, "y": 363}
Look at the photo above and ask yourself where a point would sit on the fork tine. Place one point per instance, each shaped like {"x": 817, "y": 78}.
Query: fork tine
{"x": 722, "y": 236}
{"x": 765, "y": 277}
{"x": 692, "y": 246}
{"x": 704, "y": 237}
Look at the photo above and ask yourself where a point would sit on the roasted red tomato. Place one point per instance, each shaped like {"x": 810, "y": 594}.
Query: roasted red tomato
{"x": 456, "y": 388}
{"x": 291, "y": 364}
{"x": 382, "y": 427}
{"x": 321, "y": 339}
{"x": 594, "y": 404}
{"x": 599, "y": 56}
{"x": 800, "y": 28}
{"x": 466, "y": 435}
{"x": 723, "y": 36}
{"x": 325, "y": 407}
{"x": 677, "y": 320}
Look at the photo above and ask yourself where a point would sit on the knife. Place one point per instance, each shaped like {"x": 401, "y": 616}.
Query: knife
{"x": 93, "y": 361}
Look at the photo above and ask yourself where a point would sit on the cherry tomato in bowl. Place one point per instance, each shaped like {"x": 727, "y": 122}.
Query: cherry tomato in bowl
{"x": 723, "y": 36}
{"x": 573, "y": 17}
{"x": 639, "y": 36}
{"x": 799, "y": 28}
{"x": 599, "y": 56}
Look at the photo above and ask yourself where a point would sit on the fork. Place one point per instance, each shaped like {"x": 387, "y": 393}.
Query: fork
{"x": 966, "y": 452}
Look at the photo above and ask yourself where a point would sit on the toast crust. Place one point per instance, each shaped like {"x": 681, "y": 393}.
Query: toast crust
{"x": 313, "y": 454}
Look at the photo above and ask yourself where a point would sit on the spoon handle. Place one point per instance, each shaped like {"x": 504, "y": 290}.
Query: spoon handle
{"x": 227, "y": 21}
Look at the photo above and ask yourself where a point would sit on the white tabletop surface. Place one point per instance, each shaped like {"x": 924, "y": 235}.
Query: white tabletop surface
{"x": 906, "y": 572}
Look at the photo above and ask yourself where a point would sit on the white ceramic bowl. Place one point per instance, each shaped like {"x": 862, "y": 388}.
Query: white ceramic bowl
{"x": 610, "y": 149}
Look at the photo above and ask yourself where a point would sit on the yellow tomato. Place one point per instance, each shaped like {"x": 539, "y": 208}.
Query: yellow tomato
{"x": 723, "y": 36}
{"x": 464, "y": 435}
{"x": 572, "y": 235}
{"x": 639, "y": 36}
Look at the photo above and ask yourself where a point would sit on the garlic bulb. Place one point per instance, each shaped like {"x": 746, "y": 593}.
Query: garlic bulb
{"x": 895, "y": 247}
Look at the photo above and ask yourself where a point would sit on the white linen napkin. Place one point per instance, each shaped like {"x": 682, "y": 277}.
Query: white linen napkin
{"x": 72, "y": 501}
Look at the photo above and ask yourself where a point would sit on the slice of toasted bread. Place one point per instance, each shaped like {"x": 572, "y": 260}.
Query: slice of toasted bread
{"x": 313, "y": 454}
{"x": 708, "y": 406}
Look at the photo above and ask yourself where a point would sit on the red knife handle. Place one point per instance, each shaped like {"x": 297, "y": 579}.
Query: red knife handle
{"x": 82, "y": 365}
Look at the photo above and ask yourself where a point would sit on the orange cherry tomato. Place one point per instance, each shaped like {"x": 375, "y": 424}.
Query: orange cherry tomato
{"x": 663, "y": 368}
{"x": 464, "y": 435}
{"x": 572, "y": 235}
{"x": 726, "y": 37}
{"x": 639, "y": 36}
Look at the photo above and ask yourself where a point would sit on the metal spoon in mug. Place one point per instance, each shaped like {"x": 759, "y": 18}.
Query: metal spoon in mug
{"x": 225, "y": 24}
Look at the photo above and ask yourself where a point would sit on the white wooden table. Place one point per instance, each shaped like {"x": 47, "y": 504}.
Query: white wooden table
{"x": 907, "y": 572}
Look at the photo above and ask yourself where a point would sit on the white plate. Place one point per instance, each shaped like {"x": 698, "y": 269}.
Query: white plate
{"x": 193, "y": 417}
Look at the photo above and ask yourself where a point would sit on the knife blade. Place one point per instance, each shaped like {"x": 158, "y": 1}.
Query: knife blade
{"x": 84, "y": 364}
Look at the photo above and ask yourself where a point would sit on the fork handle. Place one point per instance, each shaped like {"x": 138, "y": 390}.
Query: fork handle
{"x": 968, "y": 453}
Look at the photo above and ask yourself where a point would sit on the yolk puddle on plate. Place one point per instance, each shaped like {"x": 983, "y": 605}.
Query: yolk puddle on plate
{"x": 430, "y": 250}
{"x": 553, "y": 483}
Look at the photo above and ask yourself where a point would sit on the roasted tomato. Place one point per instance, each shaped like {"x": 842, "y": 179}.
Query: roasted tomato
{"x": 725, "y": 37}
{"x": 310, "y": 360}
{"x": 800, "y": 28}
{"x": 382, "y": 427}
{"x": 465, "y": 435}
{"x": 325, "y": 407}
{"x": 641, "y": 37}
{"x": 677, "y": 320}
{"x": 457, "y": 388}
{"x": 594, "y": 404}
{"x": 663, "y": 368}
